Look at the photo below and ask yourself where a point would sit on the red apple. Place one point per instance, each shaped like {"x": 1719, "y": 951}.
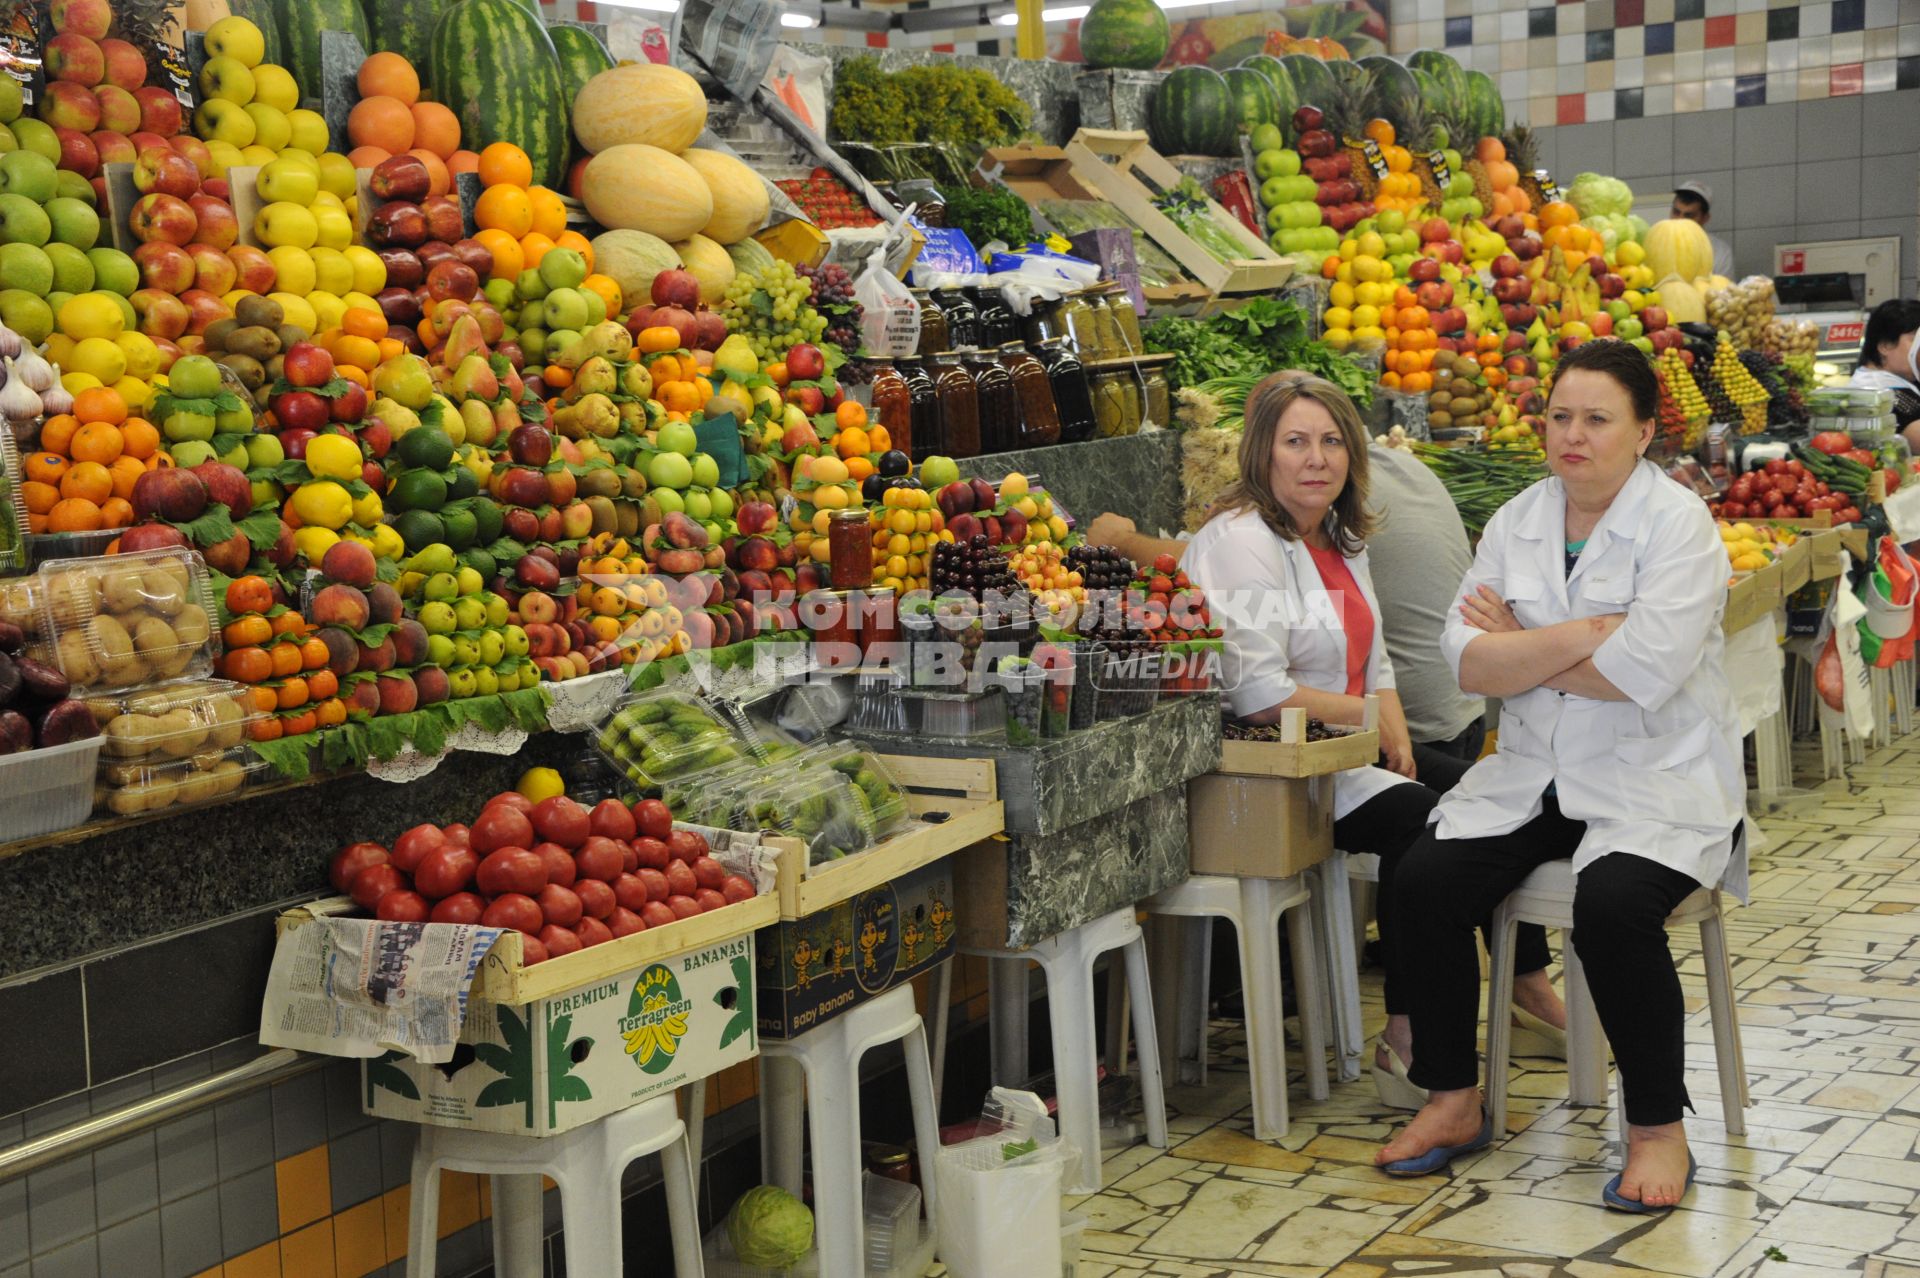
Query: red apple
{"x": 78, "y": 152}
{"x": 254, "y": 270}
{"x": 163, "y": 219}
{"x": 113, "y": 148}
{"x": 164, "y": 264}
{"x": 159, "y": 111}
{"x": 161, "y": 313}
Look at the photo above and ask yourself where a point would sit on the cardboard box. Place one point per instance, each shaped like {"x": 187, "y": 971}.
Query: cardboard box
{"x": 814, "y": 968}
{"x": 553, "y": 1064}
{"x": 1796, "y": 566}
{"x": 1259, "y": 827}
{"x": 1752, "y": 597}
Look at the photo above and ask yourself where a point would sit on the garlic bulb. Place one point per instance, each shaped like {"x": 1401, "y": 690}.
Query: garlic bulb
{"x": 18, "y": 401}
{"x": 56, "y": 400}
{"x": 11, "y": 344}
{"x": 34, "y": 370}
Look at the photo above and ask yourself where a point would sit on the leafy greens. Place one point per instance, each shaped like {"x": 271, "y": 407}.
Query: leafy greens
{"x": 1264, "y": 336}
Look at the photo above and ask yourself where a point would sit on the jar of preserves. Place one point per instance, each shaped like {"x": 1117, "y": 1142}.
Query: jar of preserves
{"x": 1116, "y": 404}
{"x": 892, "y": 403}
{"x": 1072, "y": 390}
{"x": 1107, "y": 341}
{"x": 999, "y": 405}
{"x": 926, "y": 434}
{"x": 1157, "y": 398}
{"x": 1044, "y": 322}
{"x": 849, "y": 550}
{"x": 959, "y": 405}
{"x": 963, "y": 321}
{"x": 1121, "y": 304}
{"x": 933, "y": 324}
{"x": 995, "y": 318}
{"x": 1039, "y": 418}
{"x": 1076, "y": 312}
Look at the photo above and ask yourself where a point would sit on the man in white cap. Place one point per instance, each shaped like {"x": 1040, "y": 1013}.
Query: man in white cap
{"x": 1694, "y": 200}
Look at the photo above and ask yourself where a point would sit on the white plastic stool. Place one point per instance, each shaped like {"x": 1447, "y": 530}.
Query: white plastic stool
{"x": 586, "y": 1163}
{"x": 824, "y": 1064}
{"x": 1546, "y": 898}
{"x": 1255, "y": 907}
{"x": 1067, "y": 962}
{"x": 1333, "y": 920}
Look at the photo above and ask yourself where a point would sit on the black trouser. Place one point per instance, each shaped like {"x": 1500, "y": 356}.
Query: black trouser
{"x": 1387, "y": 825}
{"x": 1620, "y": 909}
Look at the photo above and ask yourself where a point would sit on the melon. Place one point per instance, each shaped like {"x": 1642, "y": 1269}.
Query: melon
{"x": 750, "y": 256}
{"x": 641, "y": 102}
{"x": 636, "y": 187}
{"x": 1685, "y": 303}
{"x": 1678, "y": 246}
{"x": 708, "y": 262}
{"x": 1124, "y": 33}
{"x": 740, "y": 199}
{"x": 631, "y": 259}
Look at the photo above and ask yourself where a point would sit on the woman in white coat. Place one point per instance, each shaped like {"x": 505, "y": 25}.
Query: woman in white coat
{"x": 1890, "y": 360}
{"x": 1283, "y": 563}
{"x": 1593, "y": 611}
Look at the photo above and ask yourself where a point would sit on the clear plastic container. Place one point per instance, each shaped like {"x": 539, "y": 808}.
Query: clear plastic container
{"x": 127, "y": 788}
{"x": 1025, "y": 688}
{"x": 20, "y": 603}
{"x": 13, "y": 507}
{"x": 126, "y": 620}
{"x": 47, "y": 790}
{"x": 962, "y": 716}
{"x": 892, "y": 1220}
{"x": 653, "y": 721}
{"x": 659, "y": 762}
{"x": 819, "y": 807}
{"x": 885, "y": 798}
{"x": 175, "y": 720}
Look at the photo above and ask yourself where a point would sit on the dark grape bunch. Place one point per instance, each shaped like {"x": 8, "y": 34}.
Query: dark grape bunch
{"x": 1316, "y": 731}
{"x": 833, "y": 298}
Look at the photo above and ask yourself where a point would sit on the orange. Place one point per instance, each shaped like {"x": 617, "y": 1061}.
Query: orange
{"x": 41, "y": 498}
{"x": 357, "y": 352}
{"x": 677, "y": 397}
{"x": 265, "y": 729}
{"x": 286, "y": 659}
{"x": 292, "y": 694}
{"x": 851, "y": 442}
{"x": 74, "y": 514}
{"x": 1489, "y": 148}
{"x": 330, "y": 713}
{"x": 381, "y": 121}
{"x": 660, "y": 337}
{"x": 139, "y": 437}
{"x": 117, "y": 512}
{"x": 248, "y": 631}
{"x": 436, "y": 129}
{"x": 126, "y": 472}
{"x": 89, "y": 480}
{"x": 704, "y": 389}
{"x": 248, "y": 665}
{"x": 368, "y": 157}
{"x": 264, "y": 700}
{"x": 556, "y": 376}
{"x": 354, "y": 373}
{"x": 298, "y": 725}
{"x": 577, "y": 242}
{"x": 503, "y": 162}
{"x": 313, "y": 654}
{"x": 322, "y": 683}
{"x": 534, "y": 246}
{"x": 56, "y": 433}
{"x": 607, "y": 288}
{"x": 507, "y": 258}
{"x": 879, "y": 439}
{"x": 37, "y": 524}
{"x": 858, "y": 468}
{"x": 100, "y": 404}
{"x": 428, "y": 337}
{"x": 463, "y": 162}
{"x": 1380, "y": 131}
{"x": 250, "y": 594}
{"x": 1558, "y": 213}
{"x": 504, "y": 208}
{"x": 391, "y": 348}
{"x": 438, "y": 180}
{"x": 849, "y": 414}
{"x": 389, "y": 75}
{"x": 360, "y": 321}
{"x": 549, "y": 214}
{"x": 96, "y": 442}
{"x": 1518, "y": 197}
{"x": 289, "y": 623}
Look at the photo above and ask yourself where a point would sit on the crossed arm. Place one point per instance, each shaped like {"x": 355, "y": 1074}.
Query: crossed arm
{"x": 1507, "y": 659}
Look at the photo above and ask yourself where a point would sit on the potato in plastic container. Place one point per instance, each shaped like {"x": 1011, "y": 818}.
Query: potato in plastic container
{"x": 124, "y": 620}
{"x": 174, "y": 720}
{"x": 141, "y": 788}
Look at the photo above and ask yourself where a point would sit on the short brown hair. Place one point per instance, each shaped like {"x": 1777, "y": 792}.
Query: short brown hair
{"x": 1348, "y": 522}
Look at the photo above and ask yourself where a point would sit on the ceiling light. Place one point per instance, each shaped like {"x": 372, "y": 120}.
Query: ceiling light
{"x": 791, "y": 19}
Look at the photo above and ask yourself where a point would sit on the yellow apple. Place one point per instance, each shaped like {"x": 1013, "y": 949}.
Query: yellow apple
{"x": 327, "y": 198}
{"x": 225, "y": 156}
{"x": 328, "y": 310}
{"x": 286, "y": 224}
{"x": 369, "y": 272}
{"x": 285, "y": 180}
{"x": 298, "y": 156}
{"x": 257, "y": 156}
{"x": 332, "y": 227}
{"x": 275, "y": 87}
{"x": 218, "y": 120}
{"x": 296, "y": 311}
{"x": 232, "y": 296}
{"x": 332, "y": 272}
{"x": 309, "y": 130}
{"x": 294, "y": 269}
{"x": 228, "y": 80}
{"x": 238, "y": 39}
{"x": 270, "y": 127}
{"x": 355, "y": 299}
{"x": 337, "y": 174}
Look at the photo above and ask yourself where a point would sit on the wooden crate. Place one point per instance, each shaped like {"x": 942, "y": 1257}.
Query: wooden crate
{"x": 962, "y": 788}
{"x": 1267, "y": 812}
{"x": 1796, "y": 565}
{"x": 1129, "y": 172}
{"x": 1753, "y": 596}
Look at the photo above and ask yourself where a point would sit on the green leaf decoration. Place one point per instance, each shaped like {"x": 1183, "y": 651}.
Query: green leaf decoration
{"x": 382, "y": 1072}
{"x": 512, "y": 1058}
{"x": 562, "y": 1083}
{"x": 290, "y": 757}
{"x": 742, "y": 1020}
{"x": 262, "y": 529}
{"x": 211, "y": 528}
{"x": 387, "y": 570}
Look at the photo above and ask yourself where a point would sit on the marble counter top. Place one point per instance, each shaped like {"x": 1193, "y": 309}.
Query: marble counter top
{"x": 1133, "y": 475}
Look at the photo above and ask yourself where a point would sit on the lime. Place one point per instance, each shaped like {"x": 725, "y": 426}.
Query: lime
{"x": 461, "y": 528}
{"x": 418, "y": 528}
{"x": 334, "y": 456}
{"x": 323, "y": 504}
{"x": 487, "y": 524}
{"x": 418, "y": 489}
{"x": 425, "y": 447}
{"x": 480, "y": 561}
{"x": 464, "y": 484}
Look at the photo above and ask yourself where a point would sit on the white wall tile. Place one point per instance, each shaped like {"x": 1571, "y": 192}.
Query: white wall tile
{"x": 1816, "y": 19}
{"x": 1719, "y": 95}
{"x": 1513, "y": 26}
{"x": 1782, "y": 55}
{"x": 1882, "y": 13}
{"x": 1718, "y": 64}
{"x": 1783, "y": 86}
{"x": 1659, "y": 99}
{"x": 1849, "y": 46}
{"x": 1629, "y": 73}
{"x": 1600, "y": 106}
{"x": 1572, "y": 48}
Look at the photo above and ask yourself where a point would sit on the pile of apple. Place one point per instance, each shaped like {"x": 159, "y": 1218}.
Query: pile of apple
{"x": 564, "y": 876}
{"x": 430, "y": 264}
{"x": 1290, "y": 196}
{"x": 98, "y": 101}
{"x": 1331, "y": 169}
{"x": 472, "y": 642}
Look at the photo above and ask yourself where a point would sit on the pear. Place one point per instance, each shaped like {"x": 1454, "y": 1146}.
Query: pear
{"x": 596, "y": 376}
{"x": 399, "y": 418}
{"x": 636, "y": 381}
{"x": 478, "y": 417}
{"x": 597, "y": 413}
{"x": 463, "y": 341}
{"x": 609, "y": 339}
{"x": 735, "y": 358}
{"x": 473, "y": 377}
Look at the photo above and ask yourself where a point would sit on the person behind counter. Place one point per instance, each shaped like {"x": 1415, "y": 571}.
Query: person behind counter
{"x": 1593, "y": 611}
{"x": 1890, "y": 360}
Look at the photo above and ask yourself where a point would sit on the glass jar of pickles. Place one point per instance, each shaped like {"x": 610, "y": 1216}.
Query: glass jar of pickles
{"x": 1156, "y": 397}
{"x": 1076, "y": 313}
{"x": 1121, "y": 304}
{"x": 1107, "y": 339}
{"x": 1116, "y": 404}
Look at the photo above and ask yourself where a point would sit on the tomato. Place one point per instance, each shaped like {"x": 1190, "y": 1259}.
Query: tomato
{"x": 560, "y": 905}
{"x": 1733, "y": 510}
{"x": 652, "y": 854}
{"x": 681, "y": 880}
{"x": 445, "y": 872}
{"x": 651, "y": 818}
{"x": 592, "y": 932}
{"x": 1775, "y": 466}
{"x": 559, "y": 941}
{"x": 1860, "y": 455}
{"x": 686, "y": 845}
{"x": 402, "y": 906}
{"x": 355, "y": 857}
{"x": 560, "y": 867}
{"x": 510, "y": 798}
{"x": 1849, "y": 515}
{"x": 708, "y": 900}
{"x": 655, "y": 881}
{"x": 631, "y": 891}
{"x": 612, "y": 819}
{"x": 596, "y": 898}
{"x": 624, "y": 922}
{"x": 511, "y": 870}
{"x": 532, "y": 950}
{"x": 561, "y": 820}
{"x": 501, "y": 826}
{"x": 461, "y": 907}
{"x": 708, "y": 873}
{"x": 736, "y": 889}
{"x": 374, "y": 882}
{"x": 1832, "y": 442}
{"x": 659, "y": 914}
{"x": 411, "y": 847}
{"x": 1893, "y": 481}
{"x": 683, "y": 907}
{"x": 458, "y": 835}
{"x": 517, "y": 911}
{"x": 600, "y": 858}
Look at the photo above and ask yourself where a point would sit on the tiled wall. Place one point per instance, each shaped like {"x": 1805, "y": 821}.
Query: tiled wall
{"x": 1781, "y": 173}
{"x": 1581, "y": 61}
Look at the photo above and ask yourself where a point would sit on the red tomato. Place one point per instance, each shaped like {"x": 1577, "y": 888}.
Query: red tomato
{"x": 611, "y": 819}
{"x": 402, "y": 906}
{"x": 445, "y": 871}
{"x": 559, "y": 941}
{"x": 560, "y": 866}
{"x": 600, "y": 858}
{"x": 736, "y": 889}
{"x": 410, "y": 847}
{"x": 355, "y": 857}
{"x": 532, "y": 951}
{"x": 708, "y": 899}
{"x": 501, "y": 826}
{"x": 560, "y": 905}
{"x": 375, "y": 882}
{"x": 659, "y": 914}
{"x": 561, "y": 820}
{"x": 708, "y": 873}
{"x": 592, "y": 932}
{"x": 517, "y": 911}
{"x": 511, "y": 870}
{"x": 651, "y": 818}
{"x": 624, "y": 922}
{"x": 461, "y": 907}
{"x": 596, "y": 898}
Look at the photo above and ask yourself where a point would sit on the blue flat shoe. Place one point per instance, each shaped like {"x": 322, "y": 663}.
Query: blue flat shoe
{"x": 1435, "y": 1159}
{"x": 1610, "y": 1194}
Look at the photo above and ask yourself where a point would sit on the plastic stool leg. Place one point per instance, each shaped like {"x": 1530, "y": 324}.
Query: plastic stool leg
{"x": 1265, "y": 1009}
{"x": 1311, "y": 995}
{"x": 590, "y": 1216}
{"x": 926, "y": 1113}
{"x": 940, "y": 994}
{"x": 423, "y": 1214}
{"x": 1189, "y": 1013}
{"x": 833, "y": 1118}
{"x": 1115, "y": 1055}
{"x": 1726, "y": 1024}
{"x": 1586, "y": 1041}
{"x": 1008, "y": 1010}
{"x": 1152, "y": 1099}
{"x": 1500, "y": 1017}
{"x": 782, "y": 1108}
{"x": 1343, "y": 964}
{"x": 694, "y": 1118}
{"x": 519, "y": 1226}
{"x": 1075, "y": 1057}
{"x": 677, "y": 1170}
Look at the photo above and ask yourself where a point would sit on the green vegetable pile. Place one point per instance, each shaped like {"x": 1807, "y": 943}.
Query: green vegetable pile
{"x": 1482, "y": 481}
{"x": 1186, "y": 206}
{"x": 1264, "y": 336}
{"x": 957, "y": 105}
{"x": 990, "y": 213}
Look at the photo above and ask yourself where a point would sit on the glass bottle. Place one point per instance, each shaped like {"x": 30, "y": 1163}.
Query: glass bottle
{"x": 849, "y": 550}
{"x": 999, "y": 404}
{"x": 962, "y": 319}
{"x": 959, "y": 405}
{"x": 1157, "y": 396}
{"x": 927, "y": 435}
{"x": 1043, "y": 323}
{"x": 1072, "y": 390}
{"x": 933, "y": 324}
{"x": 995, "y": 318}
{"x": 1076, "y": 311}
{"x": 892, "y": 403}
{"x": 1039, "y": 418}
{"x": 1129, "y": 320}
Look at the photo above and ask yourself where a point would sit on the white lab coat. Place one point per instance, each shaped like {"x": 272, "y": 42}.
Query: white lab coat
{"x": 1283, "y": 629}
{"x": 1658, "y": 776}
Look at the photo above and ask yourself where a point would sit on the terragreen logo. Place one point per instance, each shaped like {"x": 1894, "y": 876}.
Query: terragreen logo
{"x": 656, "y": 1019}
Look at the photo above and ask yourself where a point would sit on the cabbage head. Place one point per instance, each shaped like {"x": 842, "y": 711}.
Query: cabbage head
{"x": 1597, "y": 193}
{"x": 770, "y": 1228}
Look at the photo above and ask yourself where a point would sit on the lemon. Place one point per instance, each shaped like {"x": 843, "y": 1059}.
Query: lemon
{"x": 367, "y": 510}
{"x": 387, "y": 543}
{"x": 101, "y": 357}
{"x": 91, "y": 315}
{"x": 312, "y": 541}
{"x": 333, "y": 457}
{"x": 324, "y": 503}
{"x": 143, "y": 357}
{"x": 1341, "y": 295}
{"x": 135, "y": 392}
{"x": 540, "y": 783}
{"x": 77, "y": 382}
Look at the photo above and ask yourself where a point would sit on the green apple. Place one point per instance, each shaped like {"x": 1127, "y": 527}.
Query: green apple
{"x": 30, "y": 175}
{"x": 706, "y": 471}
{"x": 670, "y": 469}
{"x": 264, "y": 451}
{"x": 699, "y": 505}
{"x": 596, "y": 307}
{"x": 191, "y": 452}
{"x": 678, "y": 437}
{"x": 438, "y": 618}
{"x": 227, "y": 79}
{"x": 722, "y": 503}
{"x": 563, "y": 268}
{"x": 667, "y": 499}
{"x": 37, "y": 136}
{"x": 565, "y": 308}
{"x": 12, "y": 100}
{"x": 500, "y": 293}
{"x": 26, "y": 314}
{"x": 74, "y": 223}
{"x": 441, "y": 585}
{"x": 938, "y": 472}
{"x": 289, "y": 180}
{"x": 74, "y": 187}
{"x": 25, "y": 267}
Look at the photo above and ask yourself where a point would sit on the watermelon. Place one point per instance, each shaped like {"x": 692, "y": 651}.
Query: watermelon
{"x": 1312, "y": 82}
{"x": 261, "y": 14}
{"x": 1124, "y": 33}
{"x": 1484, "y": 101}
{"x": 404, "y": 27}
{"x": 1395, "y": 92}
{"x": 1269, "y": 66}
{"x": 1447, "y": 76}
{"x": 1193, "y": 112}
{"x": 495, "y": 65}
{"x": 302, "y": 21}
{"x": 1254, "y": 101}
{"x": 582, "y": 57}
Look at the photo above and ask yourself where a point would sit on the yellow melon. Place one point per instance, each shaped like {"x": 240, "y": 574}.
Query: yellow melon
{"x": 707, "y": 262}
{"x": 740, "y": 200}
{"x": 637, "y": 187}
{"x": 640, "y": 102}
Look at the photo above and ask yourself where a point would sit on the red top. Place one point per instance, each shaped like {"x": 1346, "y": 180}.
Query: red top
{"x": 1356, "y": 618}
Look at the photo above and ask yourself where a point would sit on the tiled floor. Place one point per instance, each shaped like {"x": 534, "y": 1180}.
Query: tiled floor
{"x": 1825, "y": 1182}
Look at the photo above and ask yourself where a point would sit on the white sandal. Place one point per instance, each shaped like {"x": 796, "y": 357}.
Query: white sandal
{"x": 1397, "y": 1091}
{"x": 1532, "y": 1036}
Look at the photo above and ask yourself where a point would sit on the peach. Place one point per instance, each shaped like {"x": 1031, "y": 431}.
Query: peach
{"x": 339, "y": 605}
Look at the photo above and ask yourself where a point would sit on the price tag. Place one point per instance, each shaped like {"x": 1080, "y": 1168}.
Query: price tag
{"x": 1375, "y": 160}
{"x": 1437, "y": 161}
{"x": 1903, "y": 514}
{"x": 1548, "y": 187}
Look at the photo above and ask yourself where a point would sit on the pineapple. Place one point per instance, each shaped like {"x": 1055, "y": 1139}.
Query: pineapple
{"x": 1461, "y": 136}
{"x": 1417, "y": 134}
{"x": 1523, "y": 152}
{"x": 1346, "y": 110}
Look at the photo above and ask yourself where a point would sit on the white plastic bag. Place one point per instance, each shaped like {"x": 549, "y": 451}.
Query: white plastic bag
{"x": 999, "y": 1208}
{"x": 889, "y": 317}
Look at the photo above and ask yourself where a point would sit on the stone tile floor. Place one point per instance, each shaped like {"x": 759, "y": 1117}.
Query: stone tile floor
{"x": 1825, "y": 1182}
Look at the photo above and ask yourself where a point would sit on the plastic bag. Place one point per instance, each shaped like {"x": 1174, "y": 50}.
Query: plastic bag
{"x": 1888, "y": 596}
{"x": 999, "y": 1194}
{"x": 889, "y": 318}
